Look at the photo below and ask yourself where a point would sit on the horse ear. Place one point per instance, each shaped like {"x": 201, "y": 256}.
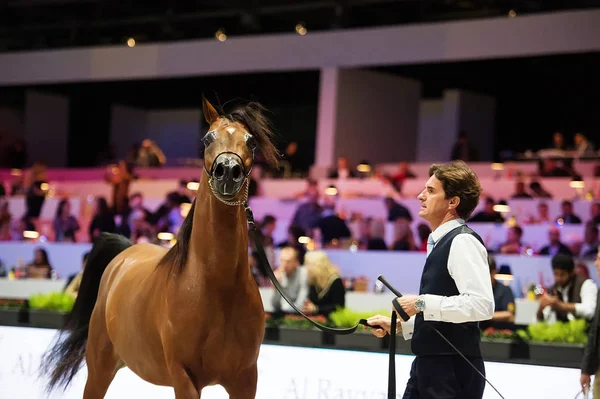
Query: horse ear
{"x": 210, "y": 113}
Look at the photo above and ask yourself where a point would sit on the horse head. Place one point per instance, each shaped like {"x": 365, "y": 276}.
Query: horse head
{"x": 229, "y": 149}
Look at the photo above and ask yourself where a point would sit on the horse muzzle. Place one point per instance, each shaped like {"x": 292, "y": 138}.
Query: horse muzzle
{"x": 228, "y": 175}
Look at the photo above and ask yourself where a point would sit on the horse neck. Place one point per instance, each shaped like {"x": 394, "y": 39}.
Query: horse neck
{"x": 219, "y": 239}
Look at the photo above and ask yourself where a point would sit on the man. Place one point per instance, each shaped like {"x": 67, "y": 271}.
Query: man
{"x": 571, "y": 297}
{"x": 455, "y": 293}
{"x": 591, "y": 353}
{"x": 504, "y": 300}
{"x": 555, "y": 245}
{"x": 488, "y": 214}
{"x": 293, "y": 278}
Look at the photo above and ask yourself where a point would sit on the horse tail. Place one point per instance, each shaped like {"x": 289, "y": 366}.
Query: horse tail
{"x": 63, "y": 360}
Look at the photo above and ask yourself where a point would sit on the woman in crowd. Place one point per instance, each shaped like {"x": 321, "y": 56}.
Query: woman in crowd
{"x": 40, "y": 267}
{"x": 102, "y": 220}
{"x": 327, "y": 292}
{"x": 65, "y": 225}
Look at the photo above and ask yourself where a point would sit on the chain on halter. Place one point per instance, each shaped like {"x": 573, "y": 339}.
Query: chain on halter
{"x": 242, "y": 201}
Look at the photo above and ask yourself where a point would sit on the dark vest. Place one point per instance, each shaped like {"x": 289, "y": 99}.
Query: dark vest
{"x": 436, "y": 280}
{"x": 574, "y": 296}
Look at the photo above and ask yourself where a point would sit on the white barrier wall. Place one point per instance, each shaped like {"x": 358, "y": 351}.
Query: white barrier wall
{"x": 283, "y": 373}
{"x": 402, "y": 269}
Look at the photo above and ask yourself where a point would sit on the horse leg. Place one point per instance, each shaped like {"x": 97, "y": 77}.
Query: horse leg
{"x": 244, "y": 386}
{"x": 102, "y": 361}
{"x": 182, "y": 382}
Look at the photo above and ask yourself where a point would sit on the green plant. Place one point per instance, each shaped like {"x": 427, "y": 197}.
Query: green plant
{"x": 54, "y": 301}
{"x": 572, "y": 332}
{"x": 346, "y": 318}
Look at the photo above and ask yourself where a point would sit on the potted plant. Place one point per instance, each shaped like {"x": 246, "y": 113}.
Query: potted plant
{"x": 12, "y": 313}
{"x": 50, "y": 310}
{"x": 362, "y": 338}
{"x": 560, "y": 340}
{"x": 297, "y": 331}
{"x": 497, "y": 344}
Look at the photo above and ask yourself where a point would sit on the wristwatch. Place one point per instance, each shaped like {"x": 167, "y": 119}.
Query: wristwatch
{"x": 420, "y": 304}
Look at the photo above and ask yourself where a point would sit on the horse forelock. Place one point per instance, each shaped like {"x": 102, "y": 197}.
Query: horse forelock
{"x": 252, "y": 116}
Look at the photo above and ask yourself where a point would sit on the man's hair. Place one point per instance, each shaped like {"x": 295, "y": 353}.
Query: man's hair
{"x": 563, "y": 262}
{"x": 459, "y": 180}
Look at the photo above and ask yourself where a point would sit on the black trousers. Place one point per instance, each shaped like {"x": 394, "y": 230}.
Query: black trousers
{"x": 445, "y": 377}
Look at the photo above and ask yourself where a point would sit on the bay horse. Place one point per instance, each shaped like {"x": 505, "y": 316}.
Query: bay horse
{"x": 187, "y": 317}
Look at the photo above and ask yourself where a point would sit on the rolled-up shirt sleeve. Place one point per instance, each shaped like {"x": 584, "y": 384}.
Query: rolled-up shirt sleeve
{"x": 468, "y": 266}
{"x": 588, "y": 294}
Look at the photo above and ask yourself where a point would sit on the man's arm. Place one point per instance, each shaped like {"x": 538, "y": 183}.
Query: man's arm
{"x": 588, "y": 294}
{"x": 507, "y": 304}
{"x": 468, "y": 266}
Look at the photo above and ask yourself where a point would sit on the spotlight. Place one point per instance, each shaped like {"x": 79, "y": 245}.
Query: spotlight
{"x": 512, "y": 14}
{"x": 131, "y": 42}
{"x": 301, "y": 29}
{"x": 220, "y": 35}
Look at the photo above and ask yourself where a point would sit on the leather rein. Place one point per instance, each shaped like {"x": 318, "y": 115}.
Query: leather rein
{"x": 266, "y": 269}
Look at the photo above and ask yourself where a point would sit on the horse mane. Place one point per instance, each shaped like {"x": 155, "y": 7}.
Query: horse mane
{"x": 252, "y": 116}
{"x": 177, "y": 255}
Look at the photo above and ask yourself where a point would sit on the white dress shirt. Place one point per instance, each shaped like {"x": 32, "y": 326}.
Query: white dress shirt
{"x": 468, "y": 266}
{"x": 585, "y": 309}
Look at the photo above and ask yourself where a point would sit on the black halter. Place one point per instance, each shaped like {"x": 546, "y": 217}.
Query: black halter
{"x": 213, "y": 166}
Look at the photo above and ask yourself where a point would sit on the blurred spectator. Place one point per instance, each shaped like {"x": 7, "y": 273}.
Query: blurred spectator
{"x": 396, "y": 211}
{"x": 102, "y": 219}
{"x": 343, "y": 170}
{"x": 520, "y": 191}
{"x": 150, "y": 155}
{"x": 463, "y": 149}
{"x": 555, "y": 246}
{"x": 571, "y": 297}
{"x": 293, "y": 277}
{"x": 326, "y": 288}
{"x": 65, "y": 224}
{"x": 40, "y": 267}
{"x": 567, "y": 216}
{"x": 488, "y": 214}
{"x": 538, "y": 191}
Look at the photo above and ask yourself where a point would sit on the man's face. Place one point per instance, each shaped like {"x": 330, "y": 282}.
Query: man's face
{"x": 288, "y": 261}
{"x": 554, "y": 236}
{"x": 562, "y": 277}
{"x": 434, "y": 204}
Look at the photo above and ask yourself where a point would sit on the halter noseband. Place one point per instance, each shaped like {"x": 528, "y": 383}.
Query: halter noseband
{"x": 246, "y": 181}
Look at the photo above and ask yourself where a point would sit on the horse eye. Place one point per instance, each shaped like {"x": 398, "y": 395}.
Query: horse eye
{"x": 251, "y": 142}
{"x": 208, "y": 138}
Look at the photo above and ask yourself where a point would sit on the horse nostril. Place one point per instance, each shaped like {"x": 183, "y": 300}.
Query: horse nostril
{"x": 236, "y": 172}
{"x": 219, "y": 171}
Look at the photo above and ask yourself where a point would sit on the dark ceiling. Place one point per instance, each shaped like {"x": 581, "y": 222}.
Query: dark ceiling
{"x": 41, "y": 24}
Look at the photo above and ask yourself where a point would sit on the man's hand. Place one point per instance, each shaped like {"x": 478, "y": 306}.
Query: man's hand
{"x": 585, "y": 381}
{"x": 278, "y": 274}
{"x": 309, "y": 307}
{"x": 408, "y": 304}
{"x": 549, "y": 300}
{"x": 385, "y": 323}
